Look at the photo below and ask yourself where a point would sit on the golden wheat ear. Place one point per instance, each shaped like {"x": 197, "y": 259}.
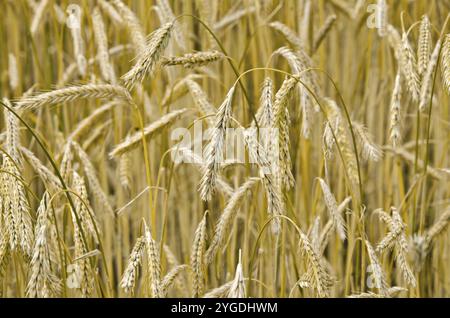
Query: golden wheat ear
{"x": 149, "y": 56}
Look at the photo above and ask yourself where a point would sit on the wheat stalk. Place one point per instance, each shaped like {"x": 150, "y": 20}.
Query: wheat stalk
{"x": 38, "y": 14}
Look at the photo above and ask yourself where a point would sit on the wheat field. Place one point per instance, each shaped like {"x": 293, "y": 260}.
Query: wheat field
{"x": 248, "y": 148}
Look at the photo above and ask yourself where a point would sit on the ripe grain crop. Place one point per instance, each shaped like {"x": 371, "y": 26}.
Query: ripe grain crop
{"x": 250, "y": 148}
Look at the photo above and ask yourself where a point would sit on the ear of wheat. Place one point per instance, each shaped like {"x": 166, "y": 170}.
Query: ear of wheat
{"x": 102, "y": 47}
{"x": 16, "y": 209}
{"x": 281, "y": 122}
{"x": 47, "y": 176}
{"x": 128, "y": 281}
{"x": 370, "y": 150}
{"x": 438, "y": 227}
{"x": 74, "y": 93}
{"x": 332, "y": 206}
{"x": 427, "y": 81}
{"x": 148, "y": 57}
{"x": 201, "y": 100}
{"x": 336, "y": 122}
{"x": 226, "y": 220}
{"x": 233, "y": 17}
{"x": 169, "y": 16}
{"x": 115, "y": 17}
{"x": 408, "y": 66}
{"x": 323, "y": 32}
{"x": 377, "y": 270}
{"x": 395, "y": 123}
{"x": 424, "y": 45}
{"x": 125, "y": 171}
{"x": 445, "y": 61}
{"x": 133, "y": 141}
{"x": 396, "y": 238}
{"x": 171, "y": 278}
{"x": 89, "y": 223}
{"x": 12, "y": 134}
{"x": 214, "y": 150}
{"x": 191, "y": 60}
{"x": 95, "y": 117}
{"x": 91, "y": 175}
{"x": 132, "y": 23}
{"x": 317, "y": 275}
{"x": 43, "y": 282}
{"x": 237, "y": 288}
{"x": 289, "y": 34}
{"x": 269, "y": 175}
{"x": 219, "y": 292}
{"x": 153, "y": 263}
{"x": 82, "y": 265}
{"x": 198, "y": 258}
